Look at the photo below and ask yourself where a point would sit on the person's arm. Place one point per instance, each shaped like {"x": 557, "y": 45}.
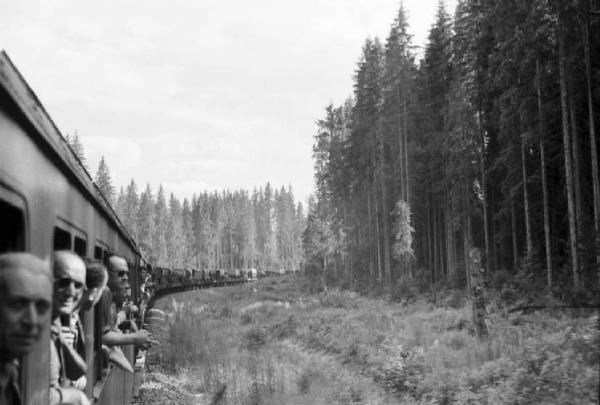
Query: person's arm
{"x": 73, "y": 396}
{"x": 116, "y": 338}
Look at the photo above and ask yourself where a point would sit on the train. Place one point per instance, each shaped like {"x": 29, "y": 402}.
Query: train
{"x": 48, "y": 202}
{"x": 167, "y": 280}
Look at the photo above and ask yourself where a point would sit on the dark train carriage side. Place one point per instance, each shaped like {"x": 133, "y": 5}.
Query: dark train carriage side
{"x": 48, "y": 202}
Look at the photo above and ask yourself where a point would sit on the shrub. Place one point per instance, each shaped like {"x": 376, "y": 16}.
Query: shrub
{"x": 254, "y": 339}
{"x": 402, "y": 372}
{"x": 405, "y": 290}
{"x": 286, "y": 328}
{"x": 246, "y": 318}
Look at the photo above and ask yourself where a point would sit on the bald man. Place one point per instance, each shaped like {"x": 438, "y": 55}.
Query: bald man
{"x": 65, "y": 363}
{"x": 25, "y": 301}
{"x": 110, "y": 303}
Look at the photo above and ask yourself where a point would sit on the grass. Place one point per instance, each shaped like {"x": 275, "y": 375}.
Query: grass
{"x": 271, "y": 343}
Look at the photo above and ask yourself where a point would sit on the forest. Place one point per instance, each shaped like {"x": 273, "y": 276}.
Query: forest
{"x": 489, "y": 141}
{"x": 213, "y": 230}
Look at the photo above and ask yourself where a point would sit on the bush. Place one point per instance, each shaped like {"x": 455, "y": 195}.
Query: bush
{"x": 402, "y": 373}
{"x": 405, "y": 291}
{"x": 246, "y": 318}
{"x": 286, "y": 328}
{"x": 254, "y": 339}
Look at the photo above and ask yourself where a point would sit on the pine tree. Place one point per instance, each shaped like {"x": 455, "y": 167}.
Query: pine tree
{"x": 146, "y": 225}
{"x": 130, "y": 209}
{"x": 188, "y": 234}
{"x": 77, "y": 148}
{"x": 159, "y": 241}
{"x": 104, "y": 181}
{"x": 175, "y": 237}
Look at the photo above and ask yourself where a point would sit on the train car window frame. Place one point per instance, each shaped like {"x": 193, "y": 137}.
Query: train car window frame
{"x": 61, "y": 239}
{"x": 75, "y": 233}
{"x": 98, "y": 253}
{"x": 80, "y": 246}
{"x": 11, "y": 200}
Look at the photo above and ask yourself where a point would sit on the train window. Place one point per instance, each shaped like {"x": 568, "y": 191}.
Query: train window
{"x": 12, "y": 231}
{"x": 62, "y": 239}
{"x": 98, "y": 253}
{"x": 107, "y": 254}
{"x": 80, "y": 246}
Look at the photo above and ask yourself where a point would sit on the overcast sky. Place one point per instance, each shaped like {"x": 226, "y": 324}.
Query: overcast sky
{"x": 197, "y": 95}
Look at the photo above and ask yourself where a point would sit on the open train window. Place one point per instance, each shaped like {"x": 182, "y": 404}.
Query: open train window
{"x": 80, "y": 246}
{"x": 12, "y": 231}
{"x": 98, "y": 254}
{"x": 62, "y": 239}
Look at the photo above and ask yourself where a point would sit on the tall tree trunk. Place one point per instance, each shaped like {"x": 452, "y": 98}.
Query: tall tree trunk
{"x": 538, "y": 85}
{"x": 592, "y": 130}
{"x": 405, "y": 125}
{"x": 513, "y": 218}
{"x": 576, "y": 175}
{"x": 529, "y": 242}
{"x": 387, "y": 263}
{"x": 494, "y": 264}
{"x": 429, "y": 247}
{"x": 376, "y": 205}
{"x": 442, "y": 236}
{"x": 467, "y": 234}
{"x": 324, "y": 275}
{"x": 370, "y": 240}
{"x": 378, "y": 245}
{"x": 436, "y": 270}
{"x": 567, "y": 150}
{"x": 483, "y": 193}
{"x": 449, "y": 238}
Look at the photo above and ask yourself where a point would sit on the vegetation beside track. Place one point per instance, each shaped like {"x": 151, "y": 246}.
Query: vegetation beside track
{"x": 270, "y": 342}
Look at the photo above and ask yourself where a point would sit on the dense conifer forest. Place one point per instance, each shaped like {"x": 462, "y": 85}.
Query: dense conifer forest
{"x": 217, "y": 230}
{"x": 488, "y": 141}
{"x": 213, "y": 230}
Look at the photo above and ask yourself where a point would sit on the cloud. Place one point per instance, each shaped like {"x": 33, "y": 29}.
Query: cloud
{"x": 197, "y": 94}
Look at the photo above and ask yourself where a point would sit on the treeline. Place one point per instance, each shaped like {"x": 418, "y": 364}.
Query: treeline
{"x": 215, "y": 230}
{"x": 489, "y": 141}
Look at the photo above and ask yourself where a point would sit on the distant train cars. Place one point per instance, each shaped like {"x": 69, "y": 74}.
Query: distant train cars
{"x": 179, "y": 279}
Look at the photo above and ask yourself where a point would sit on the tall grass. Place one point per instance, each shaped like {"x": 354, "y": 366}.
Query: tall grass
{"x": 269, "y": 343}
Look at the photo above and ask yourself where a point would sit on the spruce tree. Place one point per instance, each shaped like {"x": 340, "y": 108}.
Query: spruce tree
{"x": 104, "y": 181}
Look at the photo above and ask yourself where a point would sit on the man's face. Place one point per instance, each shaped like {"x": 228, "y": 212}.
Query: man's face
{"x": 118, "y": 278}
{"x": 69, "y": 282}
{"x": 24, "y": 310}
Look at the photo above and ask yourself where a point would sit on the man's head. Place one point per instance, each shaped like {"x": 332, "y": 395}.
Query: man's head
{"x": 118, "y": 278}
{"x": 25, "y": 302}
{"x": 69, "y": 282}
{"x": 96, "y": 278}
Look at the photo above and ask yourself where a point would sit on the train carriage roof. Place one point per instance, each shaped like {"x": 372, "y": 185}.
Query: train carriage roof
{"x": 54, "y": 144}
{"x": 179, "y": 271}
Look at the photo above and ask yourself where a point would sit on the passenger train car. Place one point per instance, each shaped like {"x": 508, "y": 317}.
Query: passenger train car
{"x": 48, "y": 201}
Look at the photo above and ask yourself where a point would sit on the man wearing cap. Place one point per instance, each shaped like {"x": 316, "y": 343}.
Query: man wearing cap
{"x": 25, "y": 301}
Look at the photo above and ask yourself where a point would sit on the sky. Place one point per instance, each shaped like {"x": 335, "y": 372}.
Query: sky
{"x": 198, "y": 95}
